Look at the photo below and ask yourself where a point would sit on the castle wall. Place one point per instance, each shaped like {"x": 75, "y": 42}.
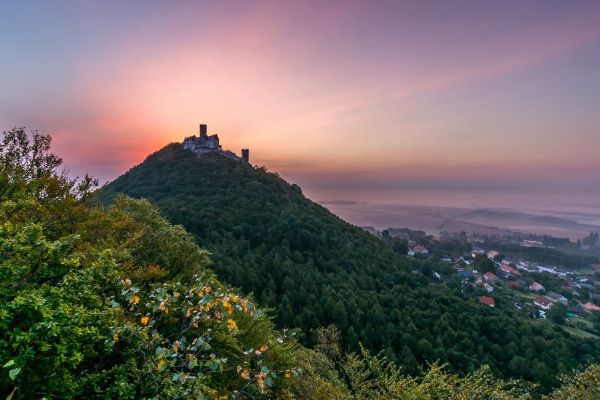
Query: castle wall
{"x": 210, "y": 144}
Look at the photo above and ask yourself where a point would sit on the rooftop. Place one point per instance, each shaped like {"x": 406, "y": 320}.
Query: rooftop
{"x": 489, "y": 301}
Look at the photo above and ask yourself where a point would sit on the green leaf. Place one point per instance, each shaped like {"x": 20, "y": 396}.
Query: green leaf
{"x": 9, "y": 364}
{"x": 13, "y": 373}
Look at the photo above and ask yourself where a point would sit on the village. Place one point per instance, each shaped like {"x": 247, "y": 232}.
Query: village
{"x": 540, "y": 290}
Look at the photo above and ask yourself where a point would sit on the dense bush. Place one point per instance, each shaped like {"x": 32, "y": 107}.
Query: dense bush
{"x": 117, "y": 303}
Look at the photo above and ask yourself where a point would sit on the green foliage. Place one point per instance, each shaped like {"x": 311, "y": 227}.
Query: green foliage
{"x": 399, "y": 246}
{"x": 73, "y": 322}
{"x": 558, "y": 313}
{"x": 314, "y": 269}
{"x": 544, "y": 255}
{"x": 483, "y": 264}
{"x": 584, "y": 385}
{"x": 361, "y": 375}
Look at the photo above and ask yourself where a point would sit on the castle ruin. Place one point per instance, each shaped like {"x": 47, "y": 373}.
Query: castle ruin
{"x": 205, "y": 144}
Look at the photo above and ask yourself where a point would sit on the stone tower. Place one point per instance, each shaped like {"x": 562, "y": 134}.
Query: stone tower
{"x": 203, "y": 131}
{"x": 246, "y": 155}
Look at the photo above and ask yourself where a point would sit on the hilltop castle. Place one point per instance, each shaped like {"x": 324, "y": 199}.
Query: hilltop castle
{"x": 205, "y": 144}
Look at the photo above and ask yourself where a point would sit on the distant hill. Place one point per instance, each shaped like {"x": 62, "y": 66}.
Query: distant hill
{"x": 315, "y": 269}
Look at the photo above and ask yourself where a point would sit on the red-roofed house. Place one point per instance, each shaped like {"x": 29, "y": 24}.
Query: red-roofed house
{"x": 488, "y": 301}
{"x": 492, "y": 254}
{"x": 485, "y": 285}
{"x": 536, "y": 287}
{"x": 591, "y": 307}
{"x": 543, "y": 302}
{"x": 508, "y": 270}
{"x": 418, "y": 249}
{"x": 490, "y": 277}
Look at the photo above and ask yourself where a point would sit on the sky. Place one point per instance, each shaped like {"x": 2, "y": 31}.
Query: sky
{"x": 353, "y": 100}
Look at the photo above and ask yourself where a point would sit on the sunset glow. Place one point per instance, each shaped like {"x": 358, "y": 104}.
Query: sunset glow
{"x": 348, "y": 94}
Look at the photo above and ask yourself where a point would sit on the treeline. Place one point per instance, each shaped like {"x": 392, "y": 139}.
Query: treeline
{"x": 542, "y": 255}
{"x": 314, "y": 269}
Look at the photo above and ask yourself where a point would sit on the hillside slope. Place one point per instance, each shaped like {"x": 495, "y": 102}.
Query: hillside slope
{"x": 315, "y": 269}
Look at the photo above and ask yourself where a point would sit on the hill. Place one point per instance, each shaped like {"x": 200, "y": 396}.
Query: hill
{"x": 315, "y": 269}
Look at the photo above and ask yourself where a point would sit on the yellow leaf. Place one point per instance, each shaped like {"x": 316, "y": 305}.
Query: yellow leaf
{"x": 144, "y": 320}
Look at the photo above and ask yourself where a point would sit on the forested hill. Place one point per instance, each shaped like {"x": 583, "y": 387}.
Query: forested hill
{"x": 315, "y": 269}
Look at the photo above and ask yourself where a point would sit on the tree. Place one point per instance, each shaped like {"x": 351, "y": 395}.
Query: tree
{"x": 558, "y": 313}
{"x": 484, "y": 264}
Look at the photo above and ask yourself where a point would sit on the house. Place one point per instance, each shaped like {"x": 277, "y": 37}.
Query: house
{"x": 543, "y": 302}
{"x": 489, "y": 288}
{"x": 556, "y": 298}
{"x": 488, "y": 301}
{"x": 586, "y": 286}
{"x": 507, "y": 270}
{"x": 536, "y": 287}
{"x": 466, "y": 275}
{"x": 490, "y": 277}
{"x": 513, "y": 284}
{"x": 419, "y": 249}
{"x": 532, "y": 243}
{"x": 586, "y": 278}
{"x": 591, "y": 307}
{"x": 492, "y": 254}
{"x": 596, "y": 267}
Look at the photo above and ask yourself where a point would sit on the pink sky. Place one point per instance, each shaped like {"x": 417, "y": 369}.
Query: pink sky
{"x": 322, "y": 92}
